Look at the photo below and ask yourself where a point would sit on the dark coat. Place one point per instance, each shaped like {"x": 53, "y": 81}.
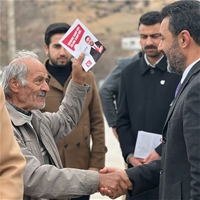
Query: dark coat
{"x": 108, "y": 92}
{"x": 179, "y": 168}
{"x": 145, "y": 96}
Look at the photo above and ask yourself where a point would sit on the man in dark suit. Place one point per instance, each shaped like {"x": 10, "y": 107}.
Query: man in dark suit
{"x": 145, "y": 93}
{"x": 97, "y": 49}
{"x": 178, "y": 171}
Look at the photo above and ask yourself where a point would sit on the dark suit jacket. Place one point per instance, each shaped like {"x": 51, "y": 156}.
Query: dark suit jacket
{"x": 95, "y": 54}
{"x": 144, "y": 100}
{"x": 179, "y": 169}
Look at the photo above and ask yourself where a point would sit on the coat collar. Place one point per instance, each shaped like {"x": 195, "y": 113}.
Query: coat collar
{"x": 162, "y": 65}
{"x": 15, "y": 117}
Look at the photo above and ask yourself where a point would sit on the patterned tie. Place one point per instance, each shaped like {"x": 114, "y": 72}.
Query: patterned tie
{"x": 177, "y": 89}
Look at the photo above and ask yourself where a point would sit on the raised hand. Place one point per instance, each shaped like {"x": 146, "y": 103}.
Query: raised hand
{"x": 78, "y": 73}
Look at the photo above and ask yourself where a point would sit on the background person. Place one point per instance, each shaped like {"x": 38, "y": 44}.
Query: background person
{"x": 12, "y": 162}
{"x": 109, "y": 91}
{"x": 74, "y": 149}
{"x": 145, "y": 94}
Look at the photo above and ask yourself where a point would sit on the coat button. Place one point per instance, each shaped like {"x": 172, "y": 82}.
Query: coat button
{"x": 161, "y": 172}
{"x": 78, "y": 144}
{"x": 66, "y": 145}
{"x": 152, "y": 71}
{"x": 86, "y": 137}
{"x": 106, "y": 149}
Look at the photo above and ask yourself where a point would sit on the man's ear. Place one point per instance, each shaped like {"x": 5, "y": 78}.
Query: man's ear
{"x": 184, "y": 38}
{"x": 46, "y": 49}
{"x": 14, "y": 85}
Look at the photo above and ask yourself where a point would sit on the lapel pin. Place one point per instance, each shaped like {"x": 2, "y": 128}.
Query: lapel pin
{"x": 162, "y": 82}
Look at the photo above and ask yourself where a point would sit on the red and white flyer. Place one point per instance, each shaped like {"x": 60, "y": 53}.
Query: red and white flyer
{"x": 79, "y": 39}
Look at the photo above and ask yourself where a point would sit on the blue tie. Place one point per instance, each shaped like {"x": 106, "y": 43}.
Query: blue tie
{"x": 177, "y": 89}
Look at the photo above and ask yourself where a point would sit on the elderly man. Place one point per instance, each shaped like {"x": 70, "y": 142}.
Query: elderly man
{"x": 25, "y": 83}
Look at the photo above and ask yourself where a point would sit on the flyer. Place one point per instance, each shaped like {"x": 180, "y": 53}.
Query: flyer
{"x": 79, "y": 39}
{"x": 146, "y": 142}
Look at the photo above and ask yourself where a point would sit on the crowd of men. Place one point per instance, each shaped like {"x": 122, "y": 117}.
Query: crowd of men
{"x": 51, "y": 113}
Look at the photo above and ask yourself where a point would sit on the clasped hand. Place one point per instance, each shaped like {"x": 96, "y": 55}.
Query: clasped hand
{"x": 113, "y": 182}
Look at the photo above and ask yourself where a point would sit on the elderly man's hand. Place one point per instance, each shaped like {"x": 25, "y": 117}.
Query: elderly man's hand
{"x": 78, "y": 73}
{"x": 114, "y": 182}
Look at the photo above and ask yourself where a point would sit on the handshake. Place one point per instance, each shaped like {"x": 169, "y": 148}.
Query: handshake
{"x": 113, "y": 182}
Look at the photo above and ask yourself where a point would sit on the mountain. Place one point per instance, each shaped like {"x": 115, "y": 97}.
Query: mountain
{"x": 108, "y": 20}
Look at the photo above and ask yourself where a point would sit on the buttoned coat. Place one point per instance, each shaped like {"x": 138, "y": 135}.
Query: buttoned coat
{"x": 109, "y": 90}
{"x": 12, "y": 162}
{"x": 145, "y": 96}
{"x": 49, "y": 181}
{"x": 75, "y": 149}
{"x": 179, "y": 168}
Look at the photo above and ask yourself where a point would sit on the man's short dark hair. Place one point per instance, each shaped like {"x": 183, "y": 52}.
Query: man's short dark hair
{"x": 53, "y": 29}
{"x": 183, "y": 15}
{"x": 150, "y": 18}
{"x": 87, "y": 37}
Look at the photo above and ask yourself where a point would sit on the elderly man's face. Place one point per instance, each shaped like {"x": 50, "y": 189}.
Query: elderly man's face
{"x": 32, "y": 96}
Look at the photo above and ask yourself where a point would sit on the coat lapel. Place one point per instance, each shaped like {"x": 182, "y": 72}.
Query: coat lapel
{"x": 193, "y": 71}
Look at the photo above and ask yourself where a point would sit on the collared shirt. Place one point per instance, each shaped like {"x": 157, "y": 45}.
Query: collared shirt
{"x": 148, "y": 63}
{"x": 185, "y": 73}
{"x": 27, "y": 116}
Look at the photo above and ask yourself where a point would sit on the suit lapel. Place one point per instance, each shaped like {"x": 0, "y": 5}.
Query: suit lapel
{"x": 193, "y": 71}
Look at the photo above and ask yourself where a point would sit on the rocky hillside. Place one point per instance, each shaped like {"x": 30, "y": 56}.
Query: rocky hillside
{"x": 108, "y": 20}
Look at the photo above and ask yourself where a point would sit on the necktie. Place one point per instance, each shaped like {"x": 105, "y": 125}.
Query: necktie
{"x": 177, "y": 89}
{"x": 96, "y": 48}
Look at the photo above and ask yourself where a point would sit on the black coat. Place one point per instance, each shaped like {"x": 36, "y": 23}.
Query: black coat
{"x": 145, "y": 96}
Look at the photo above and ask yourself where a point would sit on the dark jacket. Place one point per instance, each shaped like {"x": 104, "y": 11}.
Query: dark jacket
{"x": 179, "y": 168}
{"x": 144, "y": 101}
{"x": 109, "y": 90}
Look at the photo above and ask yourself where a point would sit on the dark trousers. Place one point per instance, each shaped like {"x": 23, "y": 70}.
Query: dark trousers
{"x": 82, "y": 198}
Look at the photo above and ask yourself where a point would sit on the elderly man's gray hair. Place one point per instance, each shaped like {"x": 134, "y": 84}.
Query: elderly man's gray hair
{"x": 16, "y": 69}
